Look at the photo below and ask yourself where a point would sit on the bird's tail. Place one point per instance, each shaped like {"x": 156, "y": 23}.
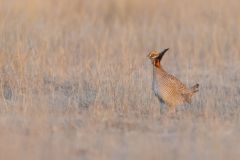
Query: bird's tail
{"x": 195, "y": 88}
{"x": 192, "y": 91}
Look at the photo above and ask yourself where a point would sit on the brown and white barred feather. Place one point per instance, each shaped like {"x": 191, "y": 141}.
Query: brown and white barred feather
{"x": 168, "y": 88}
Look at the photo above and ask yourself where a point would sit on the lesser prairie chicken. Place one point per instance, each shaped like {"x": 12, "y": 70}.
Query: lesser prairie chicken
{"x": 167, "y": 88}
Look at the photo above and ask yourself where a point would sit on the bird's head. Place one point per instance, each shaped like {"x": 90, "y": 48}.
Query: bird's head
{"x": 156, "y": 56}
{"x": 153, "y": 55}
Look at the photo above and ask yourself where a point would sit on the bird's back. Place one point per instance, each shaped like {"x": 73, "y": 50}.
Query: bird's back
{"x": 171, "y": 90}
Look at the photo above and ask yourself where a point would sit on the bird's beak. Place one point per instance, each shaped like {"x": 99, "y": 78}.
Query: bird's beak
{"x": 162, "y": 53}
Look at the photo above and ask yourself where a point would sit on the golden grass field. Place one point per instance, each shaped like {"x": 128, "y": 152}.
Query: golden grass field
{"x": 76, "y": 83}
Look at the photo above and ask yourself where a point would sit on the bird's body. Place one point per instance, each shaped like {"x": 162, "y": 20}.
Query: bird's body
{"x": 166, "y": 87}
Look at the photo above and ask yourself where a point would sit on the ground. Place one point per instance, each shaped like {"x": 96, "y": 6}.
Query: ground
{"x": 76, "y": 82}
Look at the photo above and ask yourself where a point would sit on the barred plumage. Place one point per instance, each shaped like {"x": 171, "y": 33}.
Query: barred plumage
{"x": 167, "y": 88}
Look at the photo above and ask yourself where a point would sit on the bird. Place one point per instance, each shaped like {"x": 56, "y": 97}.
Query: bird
{"x": 166, "y": 87}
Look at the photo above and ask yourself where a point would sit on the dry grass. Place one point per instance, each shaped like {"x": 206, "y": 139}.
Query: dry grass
{"x": 76, "y": 83}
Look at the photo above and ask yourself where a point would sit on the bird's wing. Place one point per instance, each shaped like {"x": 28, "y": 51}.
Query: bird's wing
{"x": 177, "y": 84}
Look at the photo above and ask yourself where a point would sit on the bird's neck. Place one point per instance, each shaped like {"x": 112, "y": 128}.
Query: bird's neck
{"x": 157, "y": 67}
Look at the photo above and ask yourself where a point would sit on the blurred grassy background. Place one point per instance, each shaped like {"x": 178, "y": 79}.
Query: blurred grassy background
{"x": 76, "y": 83}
